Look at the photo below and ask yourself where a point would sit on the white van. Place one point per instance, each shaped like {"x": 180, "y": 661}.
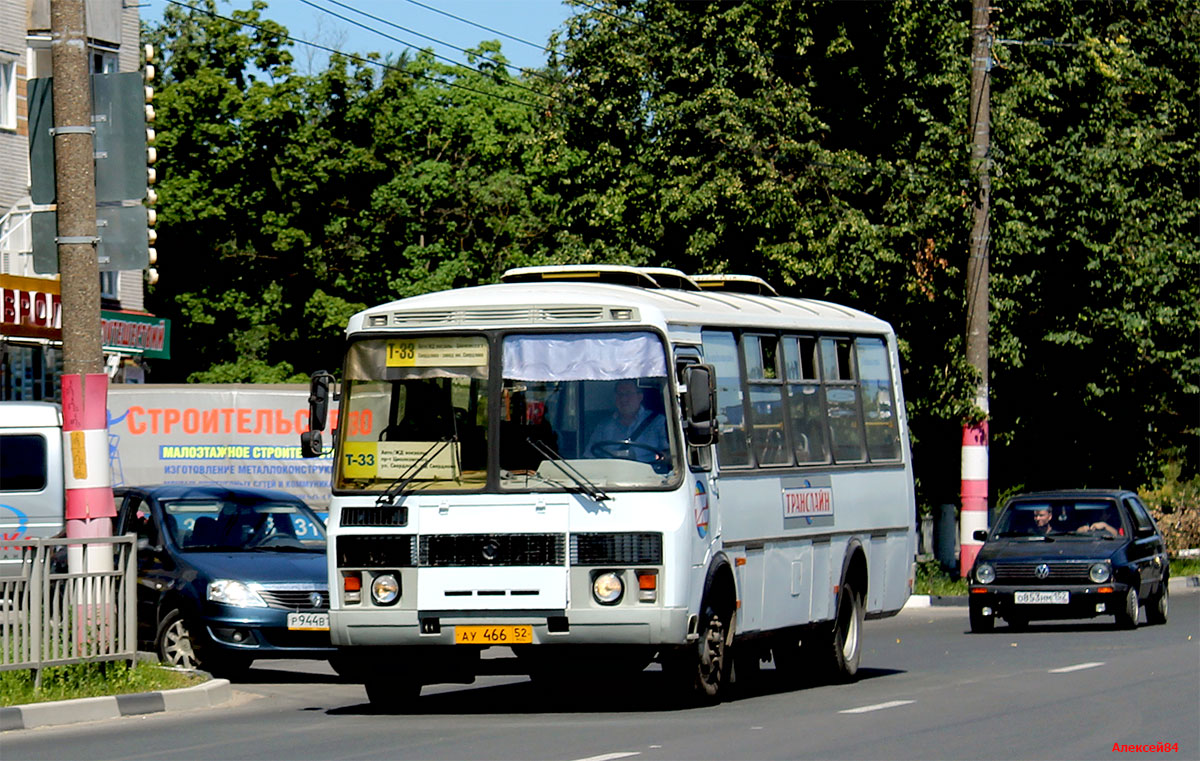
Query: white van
{"x": 31, "y": 481}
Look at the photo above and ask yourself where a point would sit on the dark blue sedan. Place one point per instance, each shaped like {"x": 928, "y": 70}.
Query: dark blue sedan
{"x": 227, "y": 575}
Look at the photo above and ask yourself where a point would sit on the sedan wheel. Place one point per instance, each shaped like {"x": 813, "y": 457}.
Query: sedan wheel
{"x": 175, "y": 643}
{"x": 1156, "y": 606}
{"x": 1128, "y": 618}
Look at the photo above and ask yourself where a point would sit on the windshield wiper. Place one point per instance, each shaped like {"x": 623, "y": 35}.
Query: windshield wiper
{"x": 569, "y": 470}
{"x": 396, "y": 488}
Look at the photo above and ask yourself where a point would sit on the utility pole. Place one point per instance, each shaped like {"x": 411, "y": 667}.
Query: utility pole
{"x": 975, "y": 435}
{"x": 89, "y": 505}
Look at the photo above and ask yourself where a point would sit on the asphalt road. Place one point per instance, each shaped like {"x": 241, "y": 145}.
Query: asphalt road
{"x": 928, "y": 690}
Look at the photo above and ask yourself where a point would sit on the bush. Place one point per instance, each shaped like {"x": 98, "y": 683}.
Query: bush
{"x": 1175, "y": 506}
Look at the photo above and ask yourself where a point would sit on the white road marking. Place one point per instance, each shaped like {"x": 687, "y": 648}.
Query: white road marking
{"x": 610, "y": 756}
{"x": 1077, "y": 667}
{"x": 877, "y": 706}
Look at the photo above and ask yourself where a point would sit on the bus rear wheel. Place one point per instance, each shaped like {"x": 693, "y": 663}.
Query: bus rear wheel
{"x": 841, "y": 652}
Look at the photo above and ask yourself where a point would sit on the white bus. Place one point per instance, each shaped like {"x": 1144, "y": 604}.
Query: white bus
{"x": 604, "y": 466}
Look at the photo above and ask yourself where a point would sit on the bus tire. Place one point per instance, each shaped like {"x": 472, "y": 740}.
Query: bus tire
{"x": 392, "y": 693}
{"x": 842, "y": 649}
{"x": 700, "y": 671}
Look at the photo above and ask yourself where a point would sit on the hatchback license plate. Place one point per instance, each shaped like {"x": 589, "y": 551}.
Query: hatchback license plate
{"x": 493, "y": 635}
{"x": 1042, "y": 598}
{"x": 312, "y": 622}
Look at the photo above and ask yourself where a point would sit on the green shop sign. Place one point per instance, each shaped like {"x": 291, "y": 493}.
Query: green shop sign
{"x": 140, "y": 334}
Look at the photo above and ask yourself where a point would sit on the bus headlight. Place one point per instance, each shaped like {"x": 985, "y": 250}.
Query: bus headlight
{"x": 607, "y": 588}
{"x": 1099, "y": 573}
{"x": 985, "y": 573}
{"x": 385, "y": 589}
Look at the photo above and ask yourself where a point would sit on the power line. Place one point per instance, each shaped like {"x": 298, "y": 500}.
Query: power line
{"x": 356, "y": 58}
{"x": 417, "y": 47}
{"x": 544, "y": 48}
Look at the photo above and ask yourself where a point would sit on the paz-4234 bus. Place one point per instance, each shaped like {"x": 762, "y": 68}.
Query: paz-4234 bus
{"x": 600, "y": 467}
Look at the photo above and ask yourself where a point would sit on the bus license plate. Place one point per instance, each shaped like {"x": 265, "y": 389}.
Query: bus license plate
{"x": 1042, "y": 598}
{"x": 493, "y": 635}
{"x": 313, "y": 622}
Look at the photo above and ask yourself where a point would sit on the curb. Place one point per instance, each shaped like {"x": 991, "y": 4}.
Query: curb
{"x": 208, "y": 695}
{"x": 937, "y": 601}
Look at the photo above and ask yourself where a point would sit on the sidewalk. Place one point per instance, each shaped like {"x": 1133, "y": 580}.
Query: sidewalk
{"x": 1176, "y": 585}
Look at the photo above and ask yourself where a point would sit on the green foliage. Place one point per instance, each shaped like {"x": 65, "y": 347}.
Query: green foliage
{"x": 1175, "y": 505}
{"x": 932, "y": 579}
{"x": 821, "y": 145}
{"x": 88, "y": 680}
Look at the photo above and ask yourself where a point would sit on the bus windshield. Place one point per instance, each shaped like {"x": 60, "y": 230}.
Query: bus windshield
{"x": 414, "y": 409}
{"x": 585, "y": 406}
{"x": 576, "y": 411}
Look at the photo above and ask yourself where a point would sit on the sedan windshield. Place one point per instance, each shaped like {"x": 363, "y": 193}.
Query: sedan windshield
{"x": 1060, "y": 517}
{"x": 225, "y": 526}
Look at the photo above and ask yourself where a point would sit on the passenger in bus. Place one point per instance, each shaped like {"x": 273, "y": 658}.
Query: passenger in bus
{"x": 632, "y": 431}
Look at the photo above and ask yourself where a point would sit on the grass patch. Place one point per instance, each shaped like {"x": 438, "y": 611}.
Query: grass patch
{"x": 933, "y": 580}
{"x": 1181, "y": 567}
{"x": 90, "y": 680}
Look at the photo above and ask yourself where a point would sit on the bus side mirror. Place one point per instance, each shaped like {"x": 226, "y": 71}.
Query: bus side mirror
{"x": 318, "y": 409}
{"x": 699, "y": 402}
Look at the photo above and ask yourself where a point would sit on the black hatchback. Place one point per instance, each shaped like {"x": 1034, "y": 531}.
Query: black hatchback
{"x": 1070, "y": 554}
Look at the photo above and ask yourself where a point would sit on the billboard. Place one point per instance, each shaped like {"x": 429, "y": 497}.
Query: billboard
{"x": 242, "y": 435}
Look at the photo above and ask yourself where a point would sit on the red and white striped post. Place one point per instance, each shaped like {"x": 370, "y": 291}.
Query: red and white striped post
{"x": 974, "y": 493}
{"x": 86, "y": 474}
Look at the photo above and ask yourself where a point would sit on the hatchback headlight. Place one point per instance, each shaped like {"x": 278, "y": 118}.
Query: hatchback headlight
{"x": 385, "y": 589}
{"x": 1099, "y": 573}
{"x": 231, "y": 592}
{"x": 985, "y": 573}
{"x": 607, "y": 588}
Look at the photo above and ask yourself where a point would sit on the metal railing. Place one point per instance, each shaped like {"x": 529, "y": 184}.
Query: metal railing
{"x": 51, "y": 617}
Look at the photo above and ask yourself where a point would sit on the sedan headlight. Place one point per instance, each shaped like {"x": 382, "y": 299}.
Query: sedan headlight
{"x": 607, "y": 588}
{"x": 237, "y": 593}
{"x": 985, "y": 573}
{"x": 1099, "y": 573}
{"x": 385, "y": 589}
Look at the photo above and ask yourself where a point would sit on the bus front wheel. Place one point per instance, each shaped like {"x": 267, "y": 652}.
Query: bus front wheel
{"x": 702, "y": 670}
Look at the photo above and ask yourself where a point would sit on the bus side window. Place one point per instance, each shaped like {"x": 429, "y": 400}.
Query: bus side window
{"x": 805, "y": 401}
{"x": 842, "y": 397}
{"x": 720, "y": 351}
{"x": 766, "y": 400}
{"x": 879, "y": 403}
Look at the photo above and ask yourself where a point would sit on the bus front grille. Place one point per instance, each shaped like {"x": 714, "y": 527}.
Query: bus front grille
{"x": 441, "y": 551}
{"x": 616, "y": 549}
{"x": 375, "y": 551}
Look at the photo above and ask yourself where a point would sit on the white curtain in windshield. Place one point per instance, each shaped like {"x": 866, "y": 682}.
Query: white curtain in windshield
{"x": 583, "y": 357}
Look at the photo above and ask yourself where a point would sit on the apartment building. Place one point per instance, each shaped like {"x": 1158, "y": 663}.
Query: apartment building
{"x": 30, "y": 321}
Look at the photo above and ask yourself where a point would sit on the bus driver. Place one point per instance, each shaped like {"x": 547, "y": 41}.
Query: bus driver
{"x": 632, "y": 432}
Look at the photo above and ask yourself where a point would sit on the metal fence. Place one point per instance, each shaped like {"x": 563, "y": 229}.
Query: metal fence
{"x": 51, "y": 617}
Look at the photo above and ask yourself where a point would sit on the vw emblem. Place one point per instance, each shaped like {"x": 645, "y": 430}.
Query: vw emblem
{"x": 315, "y": 599}
{"x": 1042, "y": 571}
{"x": 491, "y": 548}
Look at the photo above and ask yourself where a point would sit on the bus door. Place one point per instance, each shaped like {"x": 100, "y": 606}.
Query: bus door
{"x": 703, "y": 481}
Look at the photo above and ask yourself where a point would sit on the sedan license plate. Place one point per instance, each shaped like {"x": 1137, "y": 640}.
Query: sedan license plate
{"x": 1042, "y": 598}
{"x": 493, "y": 635}
{"x": 311, "y": 622}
